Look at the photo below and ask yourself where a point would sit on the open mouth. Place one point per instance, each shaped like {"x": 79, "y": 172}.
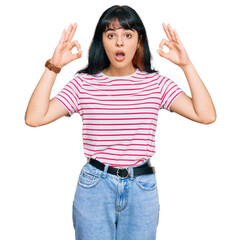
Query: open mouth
{"x": 119, "y": 55}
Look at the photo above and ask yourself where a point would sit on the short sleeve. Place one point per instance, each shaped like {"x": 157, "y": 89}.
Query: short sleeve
{"x": 169, "y": 91}
{"x": 69, "y": 96}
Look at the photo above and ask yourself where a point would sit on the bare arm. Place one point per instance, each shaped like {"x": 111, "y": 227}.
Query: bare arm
{"x": 41, "y": 110}
{"x": 200, "y": 107}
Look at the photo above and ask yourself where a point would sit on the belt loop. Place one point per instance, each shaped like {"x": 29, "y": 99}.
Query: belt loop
{"x": 105, "y": 170}
{"x": 131, "y": 173}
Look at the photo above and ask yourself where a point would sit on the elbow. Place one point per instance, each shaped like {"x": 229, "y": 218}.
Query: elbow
{"x": 209, "y": 120}
{"x": 29, "y": 122}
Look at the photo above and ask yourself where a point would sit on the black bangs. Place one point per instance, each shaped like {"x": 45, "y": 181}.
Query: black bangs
{"x": 121, "y": 17}
{"x": 116, "y": 23}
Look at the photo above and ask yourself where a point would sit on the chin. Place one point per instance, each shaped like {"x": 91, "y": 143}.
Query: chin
{"x": 123, "y": 64}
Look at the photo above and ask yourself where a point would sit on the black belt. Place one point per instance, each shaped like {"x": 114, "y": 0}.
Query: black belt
{"x": 124, "y": 172}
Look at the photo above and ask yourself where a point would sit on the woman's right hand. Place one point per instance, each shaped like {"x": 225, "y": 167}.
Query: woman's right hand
{"x": 62, "y": 54}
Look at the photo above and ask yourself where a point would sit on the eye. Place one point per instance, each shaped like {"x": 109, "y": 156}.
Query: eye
{"x": 110, "y": 35}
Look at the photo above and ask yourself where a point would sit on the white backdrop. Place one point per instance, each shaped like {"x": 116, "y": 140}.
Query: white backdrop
{"x": 198, "y": 166}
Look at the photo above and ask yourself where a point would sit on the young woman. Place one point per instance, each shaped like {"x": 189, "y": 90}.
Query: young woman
{"x": 118, "y": 96}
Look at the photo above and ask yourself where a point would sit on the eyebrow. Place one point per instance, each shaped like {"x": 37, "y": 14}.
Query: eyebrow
{"x": 112, "y": 29}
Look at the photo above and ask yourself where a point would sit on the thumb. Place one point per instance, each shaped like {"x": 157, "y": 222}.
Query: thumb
{"x": 77, "y": 55}
{"x": 162, "y": 53}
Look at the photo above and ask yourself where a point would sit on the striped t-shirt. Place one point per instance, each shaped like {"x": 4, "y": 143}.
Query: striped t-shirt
{"x": 119, "y": 114}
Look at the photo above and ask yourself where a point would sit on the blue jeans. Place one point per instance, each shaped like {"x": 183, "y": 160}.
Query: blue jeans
{"x": 106, "y": 207}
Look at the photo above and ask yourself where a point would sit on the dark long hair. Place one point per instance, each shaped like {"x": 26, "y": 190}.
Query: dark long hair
{"x": 128, "y": 19}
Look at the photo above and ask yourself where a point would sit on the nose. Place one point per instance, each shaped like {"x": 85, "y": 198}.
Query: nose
{"x": 119, "y": 41}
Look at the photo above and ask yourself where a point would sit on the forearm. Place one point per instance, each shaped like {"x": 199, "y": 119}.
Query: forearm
{"x": 201, "y": 99}
{"x": 39, "y": 101}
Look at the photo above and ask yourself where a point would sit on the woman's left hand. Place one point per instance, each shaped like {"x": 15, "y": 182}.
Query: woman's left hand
{"x": 177, "y": 53}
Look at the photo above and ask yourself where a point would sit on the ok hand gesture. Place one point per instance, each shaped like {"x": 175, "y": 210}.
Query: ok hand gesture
{"x": 62, "y": 54}
{"x": 177, "y": 53}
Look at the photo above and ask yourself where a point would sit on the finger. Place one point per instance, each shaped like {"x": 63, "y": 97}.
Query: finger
{"x": 160, "y": 51}
{"x": 77, "y": 55}
{"x": 72, "y": 33}
{"x": 171, "y": 32}
{"x": 68, "y": 32}
{"x": 166, "y": 31}
{"x": 75, "y": 44}
{"x": 62, "y": 39}
{"x": 165, "y": 42}
{"x": 163, "y": 54}
{"x": 177, "y": 37}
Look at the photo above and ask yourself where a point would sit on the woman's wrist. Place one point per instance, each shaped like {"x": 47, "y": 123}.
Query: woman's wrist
{"x": 51, "y": 66}
{"x": 51, "y": 61}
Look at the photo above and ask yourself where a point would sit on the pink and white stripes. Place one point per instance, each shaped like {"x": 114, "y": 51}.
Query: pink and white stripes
{"x": 119, "y": 114}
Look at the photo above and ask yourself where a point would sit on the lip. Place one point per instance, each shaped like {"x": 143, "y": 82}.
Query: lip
{"x": 119, "y": 59}
{"x": 119, "y": 51}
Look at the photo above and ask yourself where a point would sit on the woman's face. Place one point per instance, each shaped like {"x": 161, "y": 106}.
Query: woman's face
{"x": 120, "y": 45}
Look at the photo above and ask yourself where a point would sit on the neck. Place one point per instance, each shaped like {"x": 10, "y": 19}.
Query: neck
{"x": 113, "y": 71}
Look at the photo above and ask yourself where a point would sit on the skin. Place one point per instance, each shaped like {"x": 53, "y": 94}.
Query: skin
{"x": 41, "y": 110}
{"x": 200, "y": 107}
{"x": 120, "y": 39}
{"x": 62, "y": 54}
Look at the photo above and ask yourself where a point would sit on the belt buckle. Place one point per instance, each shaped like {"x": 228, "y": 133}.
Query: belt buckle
{"x": 121, "y": 169}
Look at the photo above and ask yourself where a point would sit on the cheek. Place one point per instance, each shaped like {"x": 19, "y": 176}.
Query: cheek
{"x": 132, "y": 50}
{"x": 108, "y": 48}
{"x": 132, "y": 46}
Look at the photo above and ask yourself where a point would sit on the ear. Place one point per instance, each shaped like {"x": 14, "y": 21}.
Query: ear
{"x": 139, "y": 41}
{"x": 140, "y": 38}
